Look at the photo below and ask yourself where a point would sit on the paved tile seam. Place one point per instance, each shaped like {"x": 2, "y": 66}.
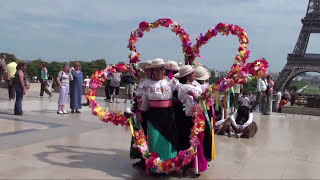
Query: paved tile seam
{"x": 246, "y": 161}
{"x": 285, "y": 168}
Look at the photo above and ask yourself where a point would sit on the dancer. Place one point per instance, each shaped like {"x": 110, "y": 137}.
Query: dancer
{"x": 202, "y": 74}
{"x": 186, "y": 77}
{"x": 134, "y": 153}
{"x": 156, "y": 98}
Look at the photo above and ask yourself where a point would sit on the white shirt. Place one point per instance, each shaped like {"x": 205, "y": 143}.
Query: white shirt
{"x": 279, "y": 94}
{"x": 157, "y": 90}
{"x": 237, "y": 88}
{"x": 245, "y": 101}
{"x": 246, "y": 124}
{"x": 186, "y": 99}
{"x": 261, "y": 85}
{"x": 139, "y": 91}
{"x": 87, "y": 81}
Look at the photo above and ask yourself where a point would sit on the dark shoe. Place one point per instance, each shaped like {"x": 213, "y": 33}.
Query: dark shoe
{"x": 73, "y": 111}
{"x": 77, "y": 111}
{"x": 190, "y": 172}
{"x": 141, "y": 165}
{"x": 85, "y": 104}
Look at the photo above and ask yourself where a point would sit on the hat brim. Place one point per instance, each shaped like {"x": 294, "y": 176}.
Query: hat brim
{"x": 155, "y": 66}
{"x": 178, "y": 75}
{"x": 143, "y": 65}
{"x": 205, "y": 76}
{"x": 173, "y": 68}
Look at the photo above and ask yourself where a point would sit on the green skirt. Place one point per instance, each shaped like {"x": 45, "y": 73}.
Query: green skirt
{"x": 159, "y": 144}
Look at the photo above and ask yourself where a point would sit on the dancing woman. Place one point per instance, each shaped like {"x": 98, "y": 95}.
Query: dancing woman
{"x": 189, "y": 100}
{"x": 146, "y": 73}
{"x": 156, "y": 99}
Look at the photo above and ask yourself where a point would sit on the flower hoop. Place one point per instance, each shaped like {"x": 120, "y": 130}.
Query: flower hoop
{"x": 146, "y": 27}
{"x": 238, "y": 74}
{"x": 152, "y": 159}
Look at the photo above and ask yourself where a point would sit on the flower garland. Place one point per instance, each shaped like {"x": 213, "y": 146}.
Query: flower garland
{"x": 238, "y": 73}
{"x": 152, "y": 159}
{"x": 146, "y": 27}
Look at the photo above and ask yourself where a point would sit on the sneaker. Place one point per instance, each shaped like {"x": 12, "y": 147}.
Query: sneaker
{"x": 238, "y": 135}
{"x": 125, "y": 101}
{"x": 111, "y": 101}
{"x": 131, "y": 101}
{"x": 117, "y": 101}
{"x": 50, "y": 96}
{"x": 73, "y": 111}
{"x": 59, "y": 112}
{"x": 65, "y": 112}
{"x": 78, "y": 111}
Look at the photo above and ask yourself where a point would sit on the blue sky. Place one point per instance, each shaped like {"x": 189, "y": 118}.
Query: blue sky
{"x": 86, "y": 30}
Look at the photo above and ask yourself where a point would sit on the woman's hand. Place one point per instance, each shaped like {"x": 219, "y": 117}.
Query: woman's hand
{"x": 24, "y": 91}
{"x": 139, "y": 118}
{"x": 195, "y": 97}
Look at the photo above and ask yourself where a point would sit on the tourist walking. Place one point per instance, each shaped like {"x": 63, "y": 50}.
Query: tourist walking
{"x": 270, "y": 83}
{"x": 11, "y": 71}
{"x": 44, "y": 79}
{"x": 19, "y": 87}
{"x": 115, "y": 80}
{"x": 87, "y": 84}
{"x": 129, "y": 83}
{"x": 63, "y": 80}
{"x": 76, "y": 88}
{"x": 3, "y": 68}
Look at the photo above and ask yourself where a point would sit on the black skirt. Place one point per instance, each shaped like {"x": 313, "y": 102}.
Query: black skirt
{"x": 163, "y": 120}
{"x": 184, "y": 125}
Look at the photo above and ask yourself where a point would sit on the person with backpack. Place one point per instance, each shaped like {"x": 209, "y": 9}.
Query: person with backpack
{"x": 11, "y": 71}
{"x": 44, "y": 79}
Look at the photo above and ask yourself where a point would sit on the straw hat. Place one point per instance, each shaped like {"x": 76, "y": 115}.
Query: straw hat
{"x": 144, "y": 64}
{"x": 184, "y": 71}
{"x": 172, "y": 65}
{"x": 202, "y": 73}
{"x": 156, "y": 63}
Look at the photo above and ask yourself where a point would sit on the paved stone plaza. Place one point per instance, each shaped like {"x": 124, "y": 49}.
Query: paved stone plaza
{"x": 44, "y": 145}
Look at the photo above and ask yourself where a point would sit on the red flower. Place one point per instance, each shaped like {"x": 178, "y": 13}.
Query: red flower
{"x": 143, "y": 25}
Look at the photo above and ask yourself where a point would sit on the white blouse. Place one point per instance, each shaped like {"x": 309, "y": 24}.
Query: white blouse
{"x": 139, "y": 91}
{"x": 246, "y": 124}
{"x": 157, "y": 90}
{"x": 203, "y": 86}
{"x": 186, "y": 99}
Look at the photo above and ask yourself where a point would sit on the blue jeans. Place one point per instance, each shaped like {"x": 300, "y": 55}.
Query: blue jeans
{"x": 19, "y": 97}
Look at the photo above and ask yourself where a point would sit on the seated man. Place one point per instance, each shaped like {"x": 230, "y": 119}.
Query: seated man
{"x": 241, "y": 123}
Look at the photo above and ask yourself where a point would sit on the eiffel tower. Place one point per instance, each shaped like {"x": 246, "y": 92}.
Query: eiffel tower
{"x": 299, "y": 62}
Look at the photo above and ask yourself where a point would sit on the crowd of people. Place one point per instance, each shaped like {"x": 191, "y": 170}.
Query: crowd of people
{"x": 165, "y": 98}
{"x": 163, "y": 101}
